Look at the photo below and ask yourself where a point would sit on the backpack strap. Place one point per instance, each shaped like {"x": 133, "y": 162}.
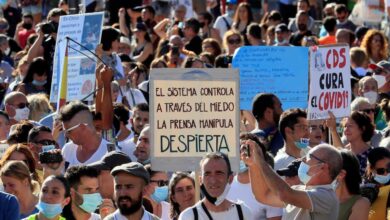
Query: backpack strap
{"x": 196, "y": 217}
{"x": 227, "y": 23}
{"x": 239, "y": 210}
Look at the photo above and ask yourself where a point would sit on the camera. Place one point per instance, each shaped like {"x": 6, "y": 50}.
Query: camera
{"x": 50, "y": 157}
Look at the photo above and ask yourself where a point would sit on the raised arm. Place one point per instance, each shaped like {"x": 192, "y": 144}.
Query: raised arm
{"x": 36, "y": 49}
{"x": 122, "y": 22}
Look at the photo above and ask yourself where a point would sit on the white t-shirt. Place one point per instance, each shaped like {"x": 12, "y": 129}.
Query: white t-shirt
{"x": 166, "y": 210}
{"x": 282, "y": 159}
{"x": 240, "y": 192}
{"x": 127, "y": 146}
{"x": 220, "y": 24}
{"x": 69, "y": 153}
{"x": 232, "y": 213}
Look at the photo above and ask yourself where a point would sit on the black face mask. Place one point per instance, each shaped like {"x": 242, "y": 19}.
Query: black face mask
{"x": 207, "y": 195}
{"x": 27, "y": 26}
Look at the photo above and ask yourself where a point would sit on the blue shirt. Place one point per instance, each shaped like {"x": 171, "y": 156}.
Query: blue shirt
{"x": 9, "y": 208}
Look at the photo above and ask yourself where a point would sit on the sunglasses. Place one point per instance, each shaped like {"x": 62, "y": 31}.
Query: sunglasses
{"x": 21, "y": 105}
{"x": 46, "y": 142}
{"x": 234, "y": 41}
{"x": 160, "y": 182}
{"x": 368, "y": 111}
{"x": 67, "y": 131}
{"x": 382, "y": 171}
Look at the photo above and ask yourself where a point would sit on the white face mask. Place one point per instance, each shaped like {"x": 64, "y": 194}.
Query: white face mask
{"x": 222, "y": 197}
{"x": 371, "y": 96}
{"x": 381, "y": 80}
{"x": 21, "y": 113}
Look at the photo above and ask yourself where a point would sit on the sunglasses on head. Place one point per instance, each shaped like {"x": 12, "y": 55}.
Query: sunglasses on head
{"x": 160, "y": 182}
{"x": 234, "y": 41}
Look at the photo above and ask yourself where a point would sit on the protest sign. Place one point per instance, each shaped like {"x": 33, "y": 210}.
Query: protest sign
{"x": 3, "y": 148}
{"x": 85, "y": 29}
{"x": 193, "y": 112}
{"x": 330, "y": 85}
{"x": 282, "y": 71}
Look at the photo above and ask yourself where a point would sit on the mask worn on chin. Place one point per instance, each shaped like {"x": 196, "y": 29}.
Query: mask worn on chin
{"x": 302, "y": 143}
{"x": 243, "y": 167}
{"x": 382, "y": 179}
{"x": 371, "y": 96}
{"x": 335, "y": 184}
{"x": 160, "y": 194}
{"x": 49, "y": 210}
{"x": 381, "y": 80}
{"x": 91, "y": 202}
{"x": 38, "y": 83}
{"x": 216, "y": 201}
{"x": 21, "y": 114}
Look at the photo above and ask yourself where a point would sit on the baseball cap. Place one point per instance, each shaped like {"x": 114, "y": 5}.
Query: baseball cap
{"x": 233, "y": 2}
{"x": 381, "y": 65}
{"x": 291, "y": 169}
{"x": 148, "y": 7}
{"x": 281, "y": 28}
{"x": 133, "y": 168}
{"x": 111, "y": 160}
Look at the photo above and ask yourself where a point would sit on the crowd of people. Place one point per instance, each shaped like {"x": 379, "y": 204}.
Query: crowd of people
{"x": 92, "y": 160}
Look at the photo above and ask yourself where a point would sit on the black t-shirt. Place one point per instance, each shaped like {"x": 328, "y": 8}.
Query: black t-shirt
{"x": 49, "y": 45}
{"x": 13, "y": 16}
{"x": 195, "y": 45}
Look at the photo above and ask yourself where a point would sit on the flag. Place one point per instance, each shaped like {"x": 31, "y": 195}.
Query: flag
{"x": 63, "y": 87}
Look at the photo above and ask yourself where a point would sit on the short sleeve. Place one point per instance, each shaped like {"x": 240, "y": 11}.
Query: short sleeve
{"x": 187, "y": 214}
{"x": 13, "y": 208}
{"x": 323, "y": 200}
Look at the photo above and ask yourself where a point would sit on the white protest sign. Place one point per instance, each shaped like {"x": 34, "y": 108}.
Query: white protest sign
{"x": 3, "y": 148}
{"x": 330, "y": 85}
{"x": 193, "y": 112}
{"x": 85, "y": 29}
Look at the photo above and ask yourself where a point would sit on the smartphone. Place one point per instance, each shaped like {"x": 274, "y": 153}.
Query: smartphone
{"x": 50, "y": 157}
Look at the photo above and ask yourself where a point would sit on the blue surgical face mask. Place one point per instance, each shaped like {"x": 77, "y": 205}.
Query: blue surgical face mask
{"x": 382, "y": 179}
{"x": 160, "y": 194}
{"x": 49, "y": 210}
{"x": 39, "y": 83}
{"x": 303, "y": 172}
{"x": 91, "y": 202}
{"x": 302, "y": 143}
{"x": 243, "y": 167}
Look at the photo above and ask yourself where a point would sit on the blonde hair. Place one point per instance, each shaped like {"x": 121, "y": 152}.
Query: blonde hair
{"x": 39, "y": 105}
{"x": 228, "y": 34}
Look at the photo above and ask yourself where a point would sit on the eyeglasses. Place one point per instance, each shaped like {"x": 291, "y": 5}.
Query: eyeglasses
{"x": 382, "y": 171}
{"x": 46, "y": 142}
{"x": 368, "y": 111}
{"x": 315, "y": 127}
{"x": 315, "y": 157}
{"x": 160, "y": 182}
{"x": 302, "y": 127}
{"x": 21, "y": 105}
{"x": 234, "y": 41}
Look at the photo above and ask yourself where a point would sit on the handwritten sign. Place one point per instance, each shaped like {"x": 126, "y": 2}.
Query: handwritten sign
{"x": 282, "y": 71}
{"x": 194, "y": 112}
{"x": 85, "y": 29}
{"x": 330, "y": 86}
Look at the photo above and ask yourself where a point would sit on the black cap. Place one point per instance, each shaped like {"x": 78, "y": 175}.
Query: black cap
{"x": 133, "y": 168}
{"x": 111, "y": 160}
{"x": 148, "y": 7}
{"x": 281, "y": 28}
{"x": 291, "y": 169}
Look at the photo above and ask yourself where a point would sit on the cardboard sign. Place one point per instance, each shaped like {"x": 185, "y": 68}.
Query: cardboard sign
{"x": 193, "y": 112}
{"x": 330, "y": 85}
{"x": 282, "y": 71}
{"x": 85, "y": 29}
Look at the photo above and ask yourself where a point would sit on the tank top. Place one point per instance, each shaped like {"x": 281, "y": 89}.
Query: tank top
{"x": 138, "y": 51}
{"x": 346, "y": 207}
